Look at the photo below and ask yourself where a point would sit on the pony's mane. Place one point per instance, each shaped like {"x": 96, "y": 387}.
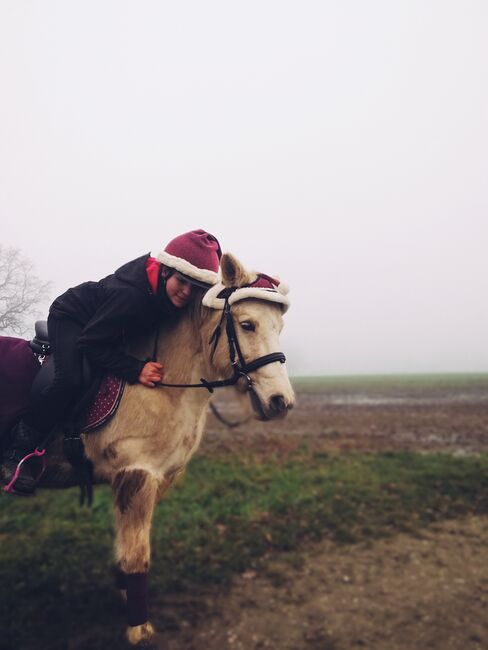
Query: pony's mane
{"x": 196, "y": 311}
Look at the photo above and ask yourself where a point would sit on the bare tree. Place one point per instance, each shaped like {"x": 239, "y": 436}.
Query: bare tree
{"x": 21, "y": 291}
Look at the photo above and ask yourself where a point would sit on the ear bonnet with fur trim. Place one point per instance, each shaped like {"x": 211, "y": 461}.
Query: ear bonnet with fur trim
{"x": 264, "y": 287}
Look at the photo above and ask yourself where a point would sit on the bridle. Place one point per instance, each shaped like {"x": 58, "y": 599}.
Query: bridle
{"x": 240, "y": 368}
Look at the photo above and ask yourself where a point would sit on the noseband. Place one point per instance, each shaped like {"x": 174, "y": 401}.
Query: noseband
{"x": 240, "y": 368}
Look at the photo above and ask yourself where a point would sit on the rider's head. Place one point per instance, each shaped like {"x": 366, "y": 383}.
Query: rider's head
{"x": 190, "y": 260}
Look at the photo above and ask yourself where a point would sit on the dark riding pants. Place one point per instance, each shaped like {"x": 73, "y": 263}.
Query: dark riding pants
{"x": 54, "y": 403}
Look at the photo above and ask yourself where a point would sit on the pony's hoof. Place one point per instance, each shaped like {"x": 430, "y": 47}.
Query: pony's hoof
{"x": 142, "y": 636}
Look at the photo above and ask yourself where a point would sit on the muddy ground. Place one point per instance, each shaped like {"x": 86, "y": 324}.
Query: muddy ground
{"x": 404, "y": 593}
{"x": 428, "y": 590}
{"x": 428, "y": 418}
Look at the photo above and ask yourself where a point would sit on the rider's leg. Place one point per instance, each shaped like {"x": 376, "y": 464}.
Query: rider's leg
{"x": 50, "y": 407}
{"x": 57, "y": 399}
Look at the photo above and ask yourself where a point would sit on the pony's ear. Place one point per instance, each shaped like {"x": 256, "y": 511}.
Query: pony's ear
{"x": 233, "y": 273}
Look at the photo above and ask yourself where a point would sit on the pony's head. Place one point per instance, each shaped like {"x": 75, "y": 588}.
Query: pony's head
{"x": 244, "y": 331}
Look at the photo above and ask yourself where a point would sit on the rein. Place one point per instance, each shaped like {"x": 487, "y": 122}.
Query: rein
{"x": 228, "y": 423}
{"x": 240, "y": 368}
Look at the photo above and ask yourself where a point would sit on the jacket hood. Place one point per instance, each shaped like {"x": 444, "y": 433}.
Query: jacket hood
{"x": 134, "y": 273}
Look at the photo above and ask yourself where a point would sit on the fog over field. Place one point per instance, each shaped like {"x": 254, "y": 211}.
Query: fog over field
{"x": 340, "y": 145}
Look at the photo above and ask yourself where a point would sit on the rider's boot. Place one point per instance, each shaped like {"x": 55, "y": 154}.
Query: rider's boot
{"x": 24, "y": 439}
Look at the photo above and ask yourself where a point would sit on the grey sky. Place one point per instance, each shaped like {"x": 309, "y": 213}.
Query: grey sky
{"x": 341, "y": 145}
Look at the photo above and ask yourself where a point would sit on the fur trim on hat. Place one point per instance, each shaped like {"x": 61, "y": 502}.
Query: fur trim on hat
{"x": 179, "y": 264}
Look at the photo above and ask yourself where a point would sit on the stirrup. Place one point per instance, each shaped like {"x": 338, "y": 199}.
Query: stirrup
{"x": 36, "y": 453}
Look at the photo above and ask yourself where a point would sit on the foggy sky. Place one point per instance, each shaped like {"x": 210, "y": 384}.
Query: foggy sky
{"x": 341, "y": 145}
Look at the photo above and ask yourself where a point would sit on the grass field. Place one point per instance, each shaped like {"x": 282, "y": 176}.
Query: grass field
{"x": 248, "y": 500}
{"x": 224, "y": 517}
{"x": 393, "y": 383}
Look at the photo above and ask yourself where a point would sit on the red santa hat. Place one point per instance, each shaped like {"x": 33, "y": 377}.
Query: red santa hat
{"x": 195, "y": 254}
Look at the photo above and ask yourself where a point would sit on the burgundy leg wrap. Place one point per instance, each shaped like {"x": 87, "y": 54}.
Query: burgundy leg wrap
{"x": 120, "y": 578}
{"x": 136, "y": 598}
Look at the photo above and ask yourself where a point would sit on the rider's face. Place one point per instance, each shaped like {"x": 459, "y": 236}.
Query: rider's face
{"x": 179, "y": 290}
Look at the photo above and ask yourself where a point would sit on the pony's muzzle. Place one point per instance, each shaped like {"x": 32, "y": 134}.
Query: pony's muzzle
{"x": 275, "y": 408}
{"x": 278, "y": 406}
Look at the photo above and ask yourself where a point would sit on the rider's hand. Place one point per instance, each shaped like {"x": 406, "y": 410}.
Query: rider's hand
{"x": 151, "y": 373}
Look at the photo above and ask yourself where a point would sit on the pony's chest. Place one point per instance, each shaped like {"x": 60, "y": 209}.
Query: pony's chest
{"x": 166, "y": 452}
{"x": 163, "y": 452}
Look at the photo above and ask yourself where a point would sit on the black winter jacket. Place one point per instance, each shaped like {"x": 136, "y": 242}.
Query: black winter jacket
{"x": 113, "y": 309}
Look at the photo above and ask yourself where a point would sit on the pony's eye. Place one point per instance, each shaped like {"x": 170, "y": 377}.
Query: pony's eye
{"x": 248, "y": 326}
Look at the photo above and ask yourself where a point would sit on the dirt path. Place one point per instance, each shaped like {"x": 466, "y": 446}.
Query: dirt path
{"x": 407, "y": 592}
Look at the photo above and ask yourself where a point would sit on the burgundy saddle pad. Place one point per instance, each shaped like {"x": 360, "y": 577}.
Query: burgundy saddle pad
{"x": 105, "y": 403}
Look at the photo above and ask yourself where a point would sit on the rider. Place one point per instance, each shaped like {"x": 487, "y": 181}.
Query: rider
{"x": 94, "y": 319}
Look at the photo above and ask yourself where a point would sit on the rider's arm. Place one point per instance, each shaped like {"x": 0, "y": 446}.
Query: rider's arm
{"x": 102, "y": 337}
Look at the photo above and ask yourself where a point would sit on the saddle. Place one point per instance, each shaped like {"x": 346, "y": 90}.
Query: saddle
{"x": 99, "y": 400}
{"x": 27, "y": 370}
{"x": 100, "y": 396}
{"x": 40, "y": 343}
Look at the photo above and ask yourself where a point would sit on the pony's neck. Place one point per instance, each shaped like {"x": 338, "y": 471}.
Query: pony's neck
{"x": 182, "y": 348}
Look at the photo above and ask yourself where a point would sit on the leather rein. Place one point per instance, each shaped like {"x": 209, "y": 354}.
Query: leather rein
{"x": 240, "y": 368}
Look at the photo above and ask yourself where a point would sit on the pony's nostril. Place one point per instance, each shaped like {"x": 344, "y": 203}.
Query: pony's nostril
{"x": 278, "y": 403}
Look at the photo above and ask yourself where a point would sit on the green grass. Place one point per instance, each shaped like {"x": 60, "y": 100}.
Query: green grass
{"x": 450, "y": 381}
{"x": 223, "y": 518}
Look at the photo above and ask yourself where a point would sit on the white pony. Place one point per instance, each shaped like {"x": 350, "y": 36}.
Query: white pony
{"x": 233, "y": 335}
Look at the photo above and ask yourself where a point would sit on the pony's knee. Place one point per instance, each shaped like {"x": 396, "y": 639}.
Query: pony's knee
{"x": 126, "y": 486}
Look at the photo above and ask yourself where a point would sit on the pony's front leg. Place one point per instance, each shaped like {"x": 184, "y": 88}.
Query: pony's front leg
{"x": 135, "y": 492}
